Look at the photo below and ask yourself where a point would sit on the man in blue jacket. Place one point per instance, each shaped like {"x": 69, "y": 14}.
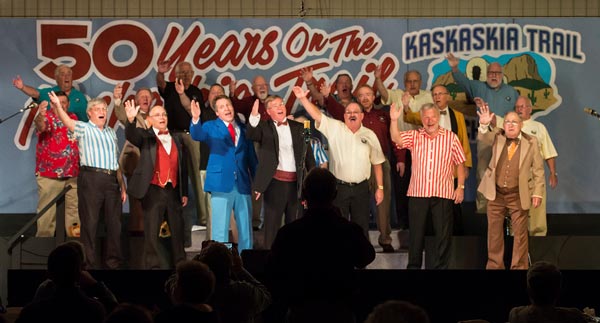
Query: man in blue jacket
{"x": 231, "y": 165}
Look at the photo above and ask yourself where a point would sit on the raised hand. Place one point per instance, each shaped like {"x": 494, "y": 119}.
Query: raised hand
{"x": 307, "y": 74}
{"x": 18, "y": 82}
{"x": 118, "y": 91}
{"x": 325, "y": 89}
{"x": 131, "y": 110}
{"x": 55, "y": 100}
{"x": 406, "y": 100}
{"x": 395, "y": 112}
{"x": 232, "y": 88}
{"x": 479, "y": 102}
{"x": 485, "y": 116}
{"x": 299, "y": 92}
{"x": 179, "y": 87}
{"x": 164, "y": 66}
{"x": 195, "y": 107}
{"x": 452, "y": 61}
{"x": 43, "y": 108}
{"x": 377, "y": 72}
{"x": 255, "y": 108}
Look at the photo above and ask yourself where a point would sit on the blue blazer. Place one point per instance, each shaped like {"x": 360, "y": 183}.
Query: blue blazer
{"x": 227, "y": 163}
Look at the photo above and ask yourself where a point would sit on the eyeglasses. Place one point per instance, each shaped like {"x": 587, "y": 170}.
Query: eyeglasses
{"x": 164, "y": 115}
{"x": 440, "y": 94}
{"x": 512, "y": 122}
{"x": 98, "y": 109}
{"x": 353, "y": 112}
{"x": 494, "y": 73}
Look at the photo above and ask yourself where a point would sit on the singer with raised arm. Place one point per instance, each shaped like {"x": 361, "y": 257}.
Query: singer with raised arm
{"x": 513, "y": 182}
{"x": 354, "y": 150}
{"x": 231, "y": 166}
{"x": 436, "y": 153}
{"x": 279, "y": 164}
{"x": 98, "y": 185}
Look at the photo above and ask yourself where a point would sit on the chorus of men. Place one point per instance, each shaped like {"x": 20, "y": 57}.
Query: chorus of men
{"x": 405, "y": 150}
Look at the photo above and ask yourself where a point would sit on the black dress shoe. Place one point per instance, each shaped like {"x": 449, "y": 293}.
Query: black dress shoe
{"x": 387, "y": 248}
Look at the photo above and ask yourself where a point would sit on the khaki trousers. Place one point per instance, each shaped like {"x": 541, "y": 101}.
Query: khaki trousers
{"x": 48, "y": 189}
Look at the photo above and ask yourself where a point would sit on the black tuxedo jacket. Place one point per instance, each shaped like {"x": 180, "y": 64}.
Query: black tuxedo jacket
{"x": 268, "y": 157}
{"x": 145, "y": 140}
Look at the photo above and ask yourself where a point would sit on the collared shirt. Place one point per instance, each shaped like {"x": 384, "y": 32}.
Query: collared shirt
{"x": 236, "y": 128}
{"x": 165, "y": 139}
{"x": 350, "y": 154}
{"x": 97, "y": 148}
{"x": 77, "y": 101}
{"x": 287, "y": 160}
{"x": 434, "y": 159}
{"x": 445, "y": 119}
{"x": 179, "y": 118}
{"x": 501, "y": 100}
{"x": 57, "y": 153}
{"x": 538, "y": 130}
{"x": 415, "y": 104}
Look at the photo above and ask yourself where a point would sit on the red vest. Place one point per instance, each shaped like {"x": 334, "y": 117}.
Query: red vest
{"x": 166, "y": 167}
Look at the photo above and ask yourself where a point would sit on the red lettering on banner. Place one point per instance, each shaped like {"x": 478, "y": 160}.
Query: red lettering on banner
{"x": 183, "y": 47}
{"x": 350, "y": 44}
{"x": 118, "y": 33}
{"x": 60, "y": 41}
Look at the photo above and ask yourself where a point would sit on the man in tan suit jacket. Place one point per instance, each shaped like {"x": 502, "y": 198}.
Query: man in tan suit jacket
{"x": 513, "y": 182}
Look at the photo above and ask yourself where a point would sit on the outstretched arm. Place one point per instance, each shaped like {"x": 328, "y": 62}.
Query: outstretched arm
{"x": 312, "y": 109}
{"x": 28, "y": 90}
{"x": 60, "y": 112}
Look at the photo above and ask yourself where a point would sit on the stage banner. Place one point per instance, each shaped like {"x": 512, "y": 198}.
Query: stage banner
{"x": 545, "y": 59}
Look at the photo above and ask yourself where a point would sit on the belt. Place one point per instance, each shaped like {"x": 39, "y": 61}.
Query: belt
{"x": 349, "y": 184}
{"x": 98, "y": 170}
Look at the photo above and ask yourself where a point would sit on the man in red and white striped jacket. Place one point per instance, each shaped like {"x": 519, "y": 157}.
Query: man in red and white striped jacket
{"x": 436, "y": 153}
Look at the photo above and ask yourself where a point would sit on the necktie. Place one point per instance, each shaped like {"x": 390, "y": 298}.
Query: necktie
{"x": 443, "y": 112}
{"x": 163, "y": 132}
{"x": 231, "y": 132}
{"x": 284, "y": 123}
{"x": 512, "y": 148}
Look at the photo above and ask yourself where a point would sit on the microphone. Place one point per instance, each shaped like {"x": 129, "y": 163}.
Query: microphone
{"x": 30, "y": 106}
{"x": 307, "y": 131}
{"x": 591, "y": 112}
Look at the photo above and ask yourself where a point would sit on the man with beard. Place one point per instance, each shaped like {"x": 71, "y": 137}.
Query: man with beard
{"x": 177, "y": 96}
{"x": 499, "y": 96}
{"x": 97, "y": 184}
{"x": 414, "y": 98}
{"x": 64, "y": 82}
{"x": 436, "y": 153}
{"x": 130, "y": 154}
{"x": 353, "y": 149}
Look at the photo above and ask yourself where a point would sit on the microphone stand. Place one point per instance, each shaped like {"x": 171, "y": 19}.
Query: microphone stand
{"x": 301, "y": 172}
{"x": 18, "y": 112}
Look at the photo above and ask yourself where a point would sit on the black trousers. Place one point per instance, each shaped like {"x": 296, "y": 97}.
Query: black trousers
{"x": 279, "y": 198}
{"x": 156, "y": 203}
{"x": 353, "y": 201}
{"x": 96, "y": 192}
{"x": 442, "y": 220}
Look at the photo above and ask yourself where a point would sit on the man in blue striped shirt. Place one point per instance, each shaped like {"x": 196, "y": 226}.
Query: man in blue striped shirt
{"x": 97, "y": 184}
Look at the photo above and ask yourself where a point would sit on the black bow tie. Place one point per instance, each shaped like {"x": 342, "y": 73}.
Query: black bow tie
{"x": 284, "y": 123}
{"x": 444, "y": 112}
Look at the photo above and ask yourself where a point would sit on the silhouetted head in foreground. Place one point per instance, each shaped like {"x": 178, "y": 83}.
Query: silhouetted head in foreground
{"x": 319, "y": 188}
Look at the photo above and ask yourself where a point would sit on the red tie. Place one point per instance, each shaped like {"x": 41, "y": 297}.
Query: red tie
{"x": 284, "y": 123}
{"x": 163, "y": 132}
{"x": 231, "y": 132}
